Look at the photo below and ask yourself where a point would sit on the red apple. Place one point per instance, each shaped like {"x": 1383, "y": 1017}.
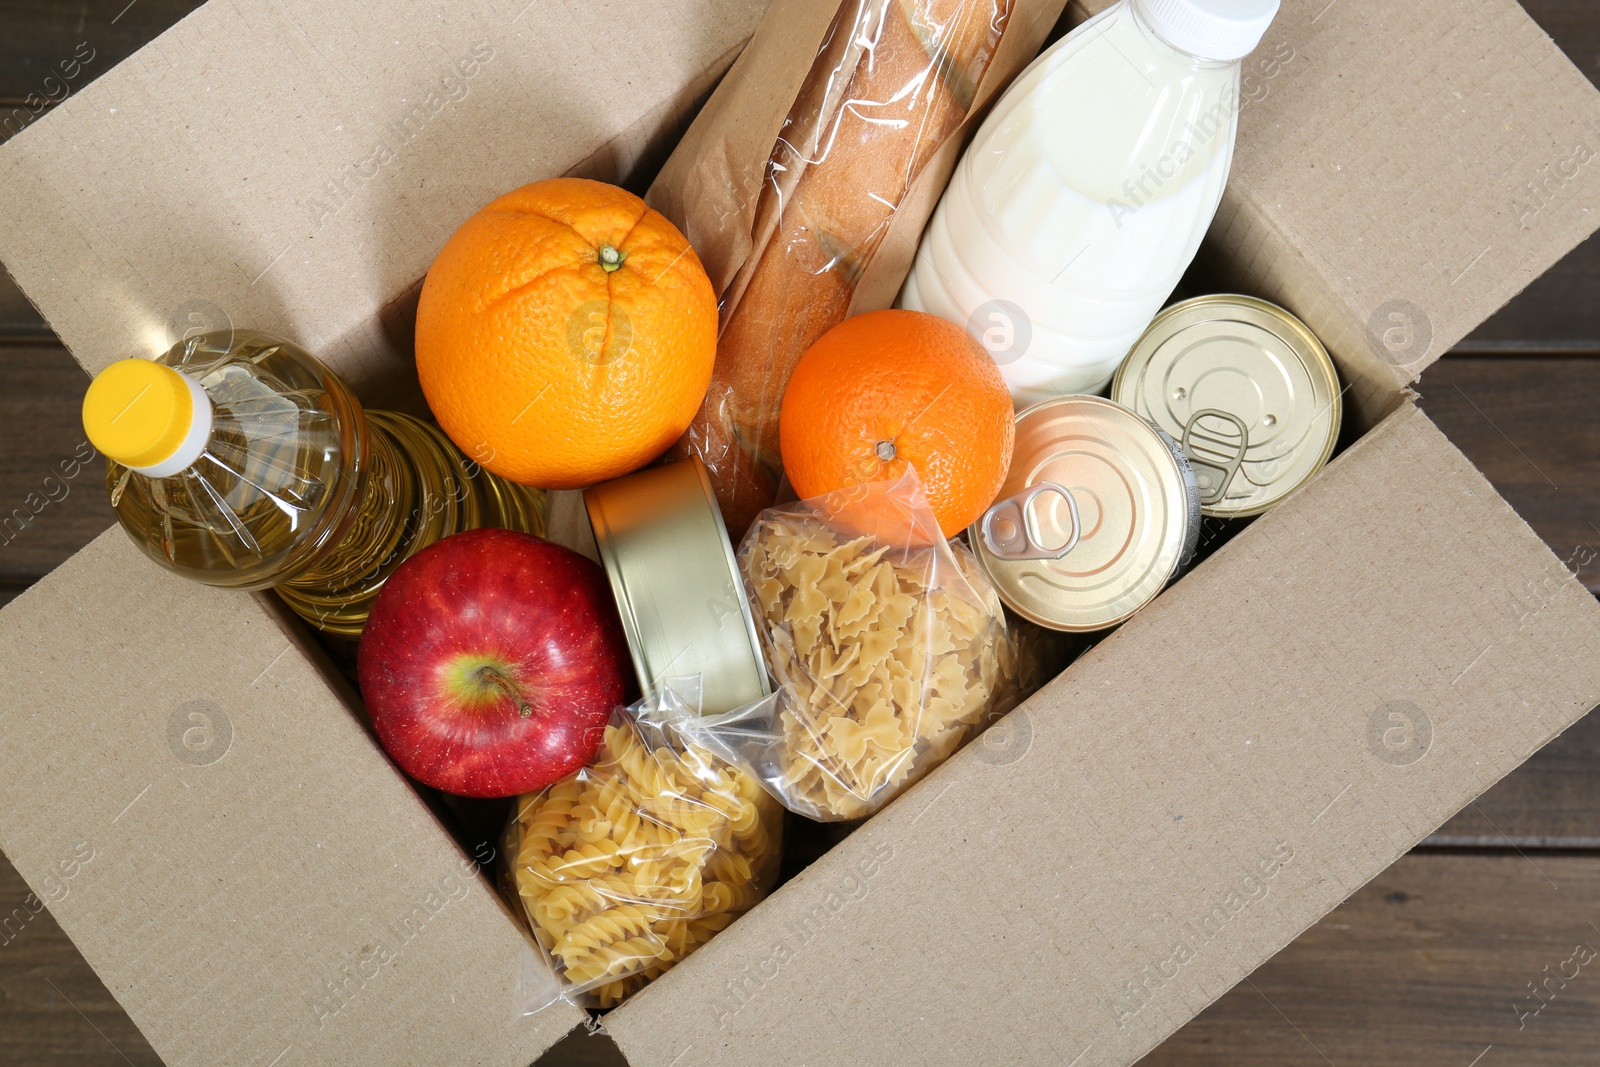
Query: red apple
{"x": 491, "y": 663}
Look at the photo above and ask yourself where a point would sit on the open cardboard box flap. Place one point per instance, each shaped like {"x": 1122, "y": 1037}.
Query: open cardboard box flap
{"x": 1204, "y": 785}
{"x": 300, "y": 163}
{"x": 1336, "y": 682}
{"x": 294, "y": 165}
{"x": 220, "y": 837}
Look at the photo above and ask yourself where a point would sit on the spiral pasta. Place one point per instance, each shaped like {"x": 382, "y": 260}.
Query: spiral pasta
{"x": 631, "y": 864}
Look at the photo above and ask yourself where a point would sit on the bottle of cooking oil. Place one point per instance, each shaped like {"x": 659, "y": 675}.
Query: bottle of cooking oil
{"x": 237, "y": 459}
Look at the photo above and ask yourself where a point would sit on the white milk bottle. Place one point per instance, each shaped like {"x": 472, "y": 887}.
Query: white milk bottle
{"x": 1084, "y": 197}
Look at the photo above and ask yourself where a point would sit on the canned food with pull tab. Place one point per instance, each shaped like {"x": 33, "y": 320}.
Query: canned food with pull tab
{"x": 1100, "y": 512}
{"x": 1247, "y": 390}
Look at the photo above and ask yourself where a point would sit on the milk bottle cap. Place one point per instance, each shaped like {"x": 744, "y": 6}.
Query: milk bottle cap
{"x": 1211, "y": 29}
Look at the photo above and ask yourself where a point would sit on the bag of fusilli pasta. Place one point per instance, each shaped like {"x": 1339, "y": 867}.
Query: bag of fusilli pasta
{"x": 888, "y": 645}
{"x": 632, "y": 863}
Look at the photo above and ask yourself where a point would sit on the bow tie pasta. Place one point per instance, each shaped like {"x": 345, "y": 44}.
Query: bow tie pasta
{"x": 887, "y": 654}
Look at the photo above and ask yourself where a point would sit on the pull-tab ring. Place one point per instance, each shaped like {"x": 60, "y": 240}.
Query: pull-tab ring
{"x": 1011, "y": 531}
{"x": 1215, "y": 454}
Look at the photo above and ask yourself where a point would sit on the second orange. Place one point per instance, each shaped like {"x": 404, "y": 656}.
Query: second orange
{"x": 895, "y": 389}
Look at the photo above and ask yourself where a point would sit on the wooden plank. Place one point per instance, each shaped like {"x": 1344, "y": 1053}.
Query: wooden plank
{"x": 51, "y": 50}
{"x": 1559, "y": 310}
{"x": 1575, "y": 26}
{"x": 1550, "y": 802}
{"x": 18, "y": 320}
{"x": 52, "y": 502}
{"x": 1529, "y": 425}
{"x": 56, "y": 1012}
{"x": 1558, "y": 314}
{"x": 1430, "y": 963}
{"x": 582, "y": 1049}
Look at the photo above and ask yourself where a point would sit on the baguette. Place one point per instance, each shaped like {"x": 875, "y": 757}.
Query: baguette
{"x": 891, "y": 84}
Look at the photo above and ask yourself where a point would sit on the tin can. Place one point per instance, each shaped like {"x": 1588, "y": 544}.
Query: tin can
{"x": 671, "y": 566}
{"x": 1099, "y": 513}
{"x": 1248, "y": 391}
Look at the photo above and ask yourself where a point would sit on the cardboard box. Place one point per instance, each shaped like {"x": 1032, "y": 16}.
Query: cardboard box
{"x": 190, "y": 789}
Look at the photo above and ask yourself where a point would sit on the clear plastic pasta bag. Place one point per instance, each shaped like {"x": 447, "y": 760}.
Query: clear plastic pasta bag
{"x": 887, "y": 644}
{"x": 629, "y": 865}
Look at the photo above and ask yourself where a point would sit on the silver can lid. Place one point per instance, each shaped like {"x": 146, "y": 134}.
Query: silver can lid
{"x": 1248, "y": 391}
{"x": 1096, "y": 517}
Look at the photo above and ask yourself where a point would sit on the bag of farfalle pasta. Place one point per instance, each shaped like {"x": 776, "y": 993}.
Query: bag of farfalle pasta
{"x": 632, "y": 863}
{"x": 887, "y": 644}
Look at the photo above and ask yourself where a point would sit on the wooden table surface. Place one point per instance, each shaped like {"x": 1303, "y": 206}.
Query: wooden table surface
{"x": 1432, "y": 963}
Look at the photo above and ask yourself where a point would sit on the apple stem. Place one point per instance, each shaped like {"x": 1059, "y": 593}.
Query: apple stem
{"x": 506, "y": 686}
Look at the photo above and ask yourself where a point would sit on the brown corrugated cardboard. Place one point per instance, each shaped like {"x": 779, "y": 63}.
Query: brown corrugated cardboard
{"x": 221, "y": 839}
{"x": 1205, "y": 784}
{"x": 268, "y": 900}
{"x": 183, "y": 181}
{"x": 1209, "y": 781}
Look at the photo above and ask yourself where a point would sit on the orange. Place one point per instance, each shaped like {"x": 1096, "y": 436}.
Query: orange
{"x": 892, "y": 389}
{"x": 566, "y": 334}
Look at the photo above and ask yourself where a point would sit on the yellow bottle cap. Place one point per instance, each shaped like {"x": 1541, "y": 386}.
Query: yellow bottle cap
{"x": 139, "y": 413}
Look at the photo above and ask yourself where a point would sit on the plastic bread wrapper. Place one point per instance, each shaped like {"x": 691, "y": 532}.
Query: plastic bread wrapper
{"x": 888, "y": 648}
{"x": 806, "y": 181}
{"x": 630, "y": 864}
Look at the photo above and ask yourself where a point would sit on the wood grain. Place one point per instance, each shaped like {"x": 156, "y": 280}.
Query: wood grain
{"x": 1529, "y": 424}
{"x": 54, "y": 1011}
{"x": 40, "y": 37}
{"x": 51, "y": 502}
{"x": 18, "y": 320}
{"x": 1430, "y": 963}
{"x": 1559, "y": 311}
{"x": 1423, "y": 966}
{"x": 48, "y": 51}
{"x": 1557, "y": 315}
{"x": 1550, "y": 802}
